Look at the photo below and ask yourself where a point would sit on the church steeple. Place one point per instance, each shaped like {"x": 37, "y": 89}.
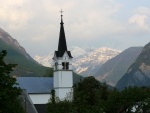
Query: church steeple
{"x": 62, "y": 45}
{"x": 62, "y": 65}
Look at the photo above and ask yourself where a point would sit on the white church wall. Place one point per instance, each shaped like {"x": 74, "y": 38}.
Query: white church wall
{"x": 56, "y": 78}
{"x": 63, "y": 82}
{"x": 40, "y": 98}
{"x": 60, "y": 66}
{"x": 66, "y": 80}
{"x": 63, "y": 79}
{"x": 70, "y": 66}
{"x": 64, "y": 93}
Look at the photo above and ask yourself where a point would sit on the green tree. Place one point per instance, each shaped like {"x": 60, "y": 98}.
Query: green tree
{"x": 57, "y": 106}
{"x": 48, "y": 72}
{"x": 9, "y": 92}
{"x": 89, "y": 95}
{"x": 60, "y": 107}
{"x": 127, "y": 99}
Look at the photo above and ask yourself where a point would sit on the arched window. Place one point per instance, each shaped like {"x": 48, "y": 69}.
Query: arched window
{"x": 65, "y": 65}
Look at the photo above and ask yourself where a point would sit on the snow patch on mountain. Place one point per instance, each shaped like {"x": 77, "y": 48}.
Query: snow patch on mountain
{"x": 89, "y": 64}
{"x": 86, "y": 61}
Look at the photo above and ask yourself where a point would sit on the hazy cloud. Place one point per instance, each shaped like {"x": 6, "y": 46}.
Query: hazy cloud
{"x": 140, "y": 20}
{"x": 87, "y": 23}
{"x": 141, "y": 17}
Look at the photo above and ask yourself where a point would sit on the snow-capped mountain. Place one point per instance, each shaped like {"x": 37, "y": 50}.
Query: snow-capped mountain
{"x": 45, "y": 60}
{"x": 89, "y": 64}
{"x": 86, "y": 61}
{"x": 76, "y": 52}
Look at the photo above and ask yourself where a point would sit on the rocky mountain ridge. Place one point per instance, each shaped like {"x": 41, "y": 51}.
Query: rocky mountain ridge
{"x": 4, "y": 36}
{"x": 113, "y": 70}
{"x": 138, "y": 74}
{"x": 16, "y": 54}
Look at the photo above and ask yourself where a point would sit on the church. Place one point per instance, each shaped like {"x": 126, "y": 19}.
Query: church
{"x": 36, "y": 90}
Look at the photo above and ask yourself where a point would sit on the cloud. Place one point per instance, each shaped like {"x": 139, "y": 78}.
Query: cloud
{"x": 12, "y": 14}
{"x": 89, "y": 19}
{"x": 139, "y": 19}
{"x": 81, "y": 17}
{"x": 32, "y": 22}
{"x": 143, "y": 10}
{"x": 35, "y": 23}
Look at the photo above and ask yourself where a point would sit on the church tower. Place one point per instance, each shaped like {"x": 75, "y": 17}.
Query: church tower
{"x": 63, "y": 74}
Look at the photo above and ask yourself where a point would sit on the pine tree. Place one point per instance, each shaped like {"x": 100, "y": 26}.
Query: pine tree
{"x": 9, "y": 92}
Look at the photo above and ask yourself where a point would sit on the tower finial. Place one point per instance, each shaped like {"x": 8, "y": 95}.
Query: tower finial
{"x": 61, "y": 12}
{"x": 61, "y": 16}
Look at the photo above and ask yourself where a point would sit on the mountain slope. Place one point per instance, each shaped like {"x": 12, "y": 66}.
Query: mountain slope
{"x": 138, "y": 73}
{"x": 86, "y": 61}
{"x": 115, "y": 68}
{"x": 16, "y": 54}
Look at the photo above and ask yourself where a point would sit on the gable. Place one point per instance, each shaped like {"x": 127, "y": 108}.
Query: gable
{"x": 65, "y": 56}
{"x": 60, "y": 54}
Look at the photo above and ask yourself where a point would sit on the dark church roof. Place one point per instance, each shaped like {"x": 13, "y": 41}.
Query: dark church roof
{"x": 36, "y": 85}
{"x": 62, "y": 45}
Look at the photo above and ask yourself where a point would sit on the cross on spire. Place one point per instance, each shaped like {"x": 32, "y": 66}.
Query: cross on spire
{"x": 61, "y": 11}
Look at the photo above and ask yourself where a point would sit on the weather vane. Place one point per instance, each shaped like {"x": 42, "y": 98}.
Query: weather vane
{"x": 61, "y": 11}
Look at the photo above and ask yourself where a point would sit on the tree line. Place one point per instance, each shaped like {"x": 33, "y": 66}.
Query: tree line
{"x": 91, "y": 96}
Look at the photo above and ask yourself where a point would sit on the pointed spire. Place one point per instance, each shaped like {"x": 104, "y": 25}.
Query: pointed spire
{"x": 62, "y": 45}
{"x": 61, "y": 20}
{"x": 61, "y": 17}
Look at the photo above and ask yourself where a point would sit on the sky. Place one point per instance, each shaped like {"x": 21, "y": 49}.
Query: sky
{"x": 117, "y": 24}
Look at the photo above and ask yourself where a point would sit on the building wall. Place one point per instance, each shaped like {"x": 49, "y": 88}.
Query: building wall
{"x": 39, "y": 98}
{"x": 63, "y": 79}
{"x": 64, "y": 93}
{"x": 59, "y": 61}
{"x": 63, "y": 82}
